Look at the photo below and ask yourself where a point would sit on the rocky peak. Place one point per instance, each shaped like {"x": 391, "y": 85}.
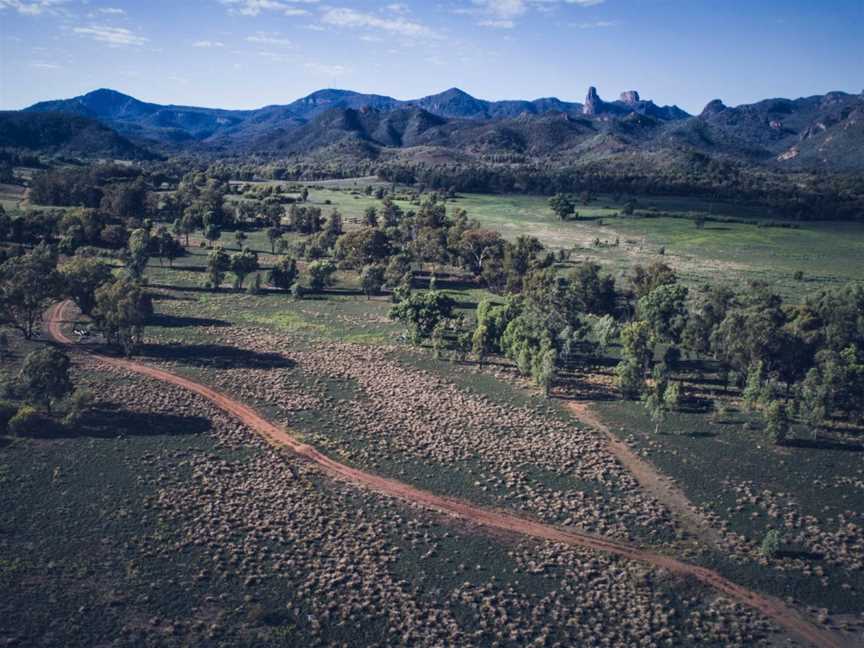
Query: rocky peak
{"x": 713, "y": 107}
{"x": 630, "y": 97}
{"x": 593, "y": 102}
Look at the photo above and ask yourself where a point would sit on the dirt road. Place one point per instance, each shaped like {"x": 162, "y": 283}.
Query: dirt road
{"x": 651, "y": 480}
{"x": 773, "y": 608}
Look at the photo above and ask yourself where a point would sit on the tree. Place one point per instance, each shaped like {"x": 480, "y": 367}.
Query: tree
{"x": 480, "y": 342}
{"x": 771, "y": 544}
{"x": 81, "y": 278}
{"x": 562, "y": 205}
{"x": 637, "y": 354}
{"x": 165, "y": 246}
{"x": 714, "y": 302}
{"x": 604, "y": 329}
{"x": 335, "y": 226}
{"x": 121, "y": 312}
{"x": 370, "y": 217}
{"x": 421, "y": 312}
{"x": 212, "y": 233}
{"x": 273, "y": 234}
{"x": 776, "y": 422}
{"x": 218, "y": 264}
{"x": 139, "y": 247}
{"x": 320, "y": 274}
{"x": 595, "y": 292}
{"x": 372, "y": 279}
{"x": 661, "y": 397}
{"x": 186, "y": 224}
{"x": 665, "y": 311}
{"x": 544, "y": 374}
{"x": 438, "y": 340}
{"x": 646, "y": 280}
{"x": 44, "y": 377}
{"x": 363, "y": 247}
{"x": 475, "y": 246}
{"x": 243, "y": 264}
{"x": 28, "y": 284}
{"x": 283, "y": 274}
{"x": 398, "y": 267}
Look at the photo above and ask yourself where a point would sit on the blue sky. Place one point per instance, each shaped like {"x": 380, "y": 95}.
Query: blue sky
{"x": 250, "y": 53}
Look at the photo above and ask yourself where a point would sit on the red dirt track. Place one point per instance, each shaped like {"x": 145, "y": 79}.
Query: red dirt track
{"x": 776, "y": 610}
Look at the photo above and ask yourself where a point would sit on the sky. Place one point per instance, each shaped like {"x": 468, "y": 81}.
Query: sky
{"x": 251, "y": 53}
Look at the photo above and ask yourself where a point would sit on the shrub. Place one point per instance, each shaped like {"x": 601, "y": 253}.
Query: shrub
{"x": 8, "y": 410}
{"x": 27, "y": 422}
{"x": 771, "y": 544}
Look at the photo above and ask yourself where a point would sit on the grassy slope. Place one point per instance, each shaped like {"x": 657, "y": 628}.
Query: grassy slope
{"x": 827, "y": 253}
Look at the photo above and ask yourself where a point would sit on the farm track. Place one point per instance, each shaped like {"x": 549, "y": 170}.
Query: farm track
{"x": 773, "y": 608}
{"x": 651, "y": 480}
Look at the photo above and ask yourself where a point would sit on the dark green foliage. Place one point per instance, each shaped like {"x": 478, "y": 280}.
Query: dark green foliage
{"x": 770, "y": 546}
{"x": 8, "y": 409}
{"x": 28, "y": 285}
{"x": 563, "y": 205}
{"x": 665, "y": 311}
{"x": 422, "y": 311}
{"x": 82, "y": 277}
{"x": 320, "y": 274}
{"x": 647, "y": 279}
{"x": 121, "y": 312}
{"x": 594, "y": 291}
{"x": 218, "y": 264}
{"x": 363, "y": 247}
{"x": 372, "y": 279}
{"x": 283, "y": 275}
{"x": 140, "y": 247}
{"x": 44, "y": 377}
{"x": 243, "y": 264}
{"x": 28, "y": 422}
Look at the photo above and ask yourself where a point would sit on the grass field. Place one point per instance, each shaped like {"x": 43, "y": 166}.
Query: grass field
{"x": 826, "y": 253}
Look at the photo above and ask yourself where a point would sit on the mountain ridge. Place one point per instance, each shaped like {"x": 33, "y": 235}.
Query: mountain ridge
{"x": 819, "y": 132}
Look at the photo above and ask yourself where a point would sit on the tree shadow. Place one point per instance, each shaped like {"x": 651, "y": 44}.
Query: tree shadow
{"x": 175, "y": 321}
{"x": 800, "y": 555}
{"x": 158, "y": 297}
{"x": 108, "y": 421}
{"x": 700, "y": 435}
{"x": 217, "y": 356}
{"x": 823, "y": 444}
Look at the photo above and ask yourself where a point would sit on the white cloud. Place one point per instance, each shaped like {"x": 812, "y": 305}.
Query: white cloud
{"x": 343, "y": 17}
{"x": 112, "y": 11}
{"x": 322, "y": 69}
{"x": 597, "y": 24}
{"x": 502, "y": 14}
{"x": 497, "y": 24}
{"x": 268, "y": 38}
{"x": 45, "y": 66}
{"x": 256, "y": 7}
{"x": 276, "y": 57}
{"x": 114, "y": 36}
{"x": 31, "y": 7}
{"x": 398, "y": 7}
{"x": 208, "y": 44}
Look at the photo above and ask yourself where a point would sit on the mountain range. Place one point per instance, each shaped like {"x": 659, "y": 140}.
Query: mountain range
{"x": 821, "y": 132}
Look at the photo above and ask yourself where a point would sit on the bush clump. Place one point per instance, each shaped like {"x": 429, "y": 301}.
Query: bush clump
{"x": 27, "y": 422}
{"x": 8, "y": 410}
